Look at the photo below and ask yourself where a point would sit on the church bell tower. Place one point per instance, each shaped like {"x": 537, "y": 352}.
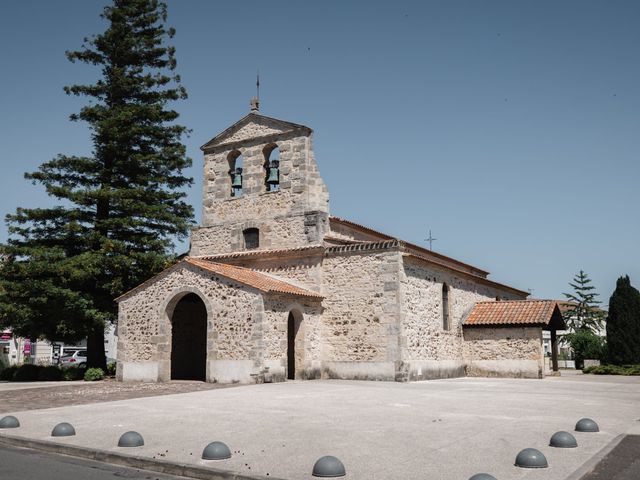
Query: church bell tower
{"x": 262, "y": 188}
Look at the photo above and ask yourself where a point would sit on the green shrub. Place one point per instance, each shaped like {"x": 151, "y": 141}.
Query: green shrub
{"x": 8, "y": 373}
{"x": 73, "y": 373}
{"x": 27, "y": 373}
{"x": 585, "y": 344}
{"x": 93, "y": 374}
{"x": 50, "y": 373}
{"x": 111, "y": 369}
{"x": 613, "y": 370}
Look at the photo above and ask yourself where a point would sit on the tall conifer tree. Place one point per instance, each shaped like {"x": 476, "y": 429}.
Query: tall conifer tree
{"x": 583, "y": 311}
{"x": 120, "y": 208}
{"x": 623, "y": 324}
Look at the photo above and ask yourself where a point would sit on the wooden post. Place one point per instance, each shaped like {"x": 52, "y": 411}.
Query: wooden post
{"x": 554, "y": 350}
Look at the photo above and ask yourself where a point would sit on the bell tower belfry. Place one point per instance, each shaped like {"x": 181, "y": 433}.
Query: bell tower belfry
{"x": 262, "y": 188}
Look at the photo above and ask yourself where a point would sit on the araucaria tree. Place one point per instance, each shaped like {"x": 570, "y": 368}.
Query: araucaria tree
{"x": 583, "y": 311}
{"x": 119, "y": 209}
{"x": 623, "y": 324}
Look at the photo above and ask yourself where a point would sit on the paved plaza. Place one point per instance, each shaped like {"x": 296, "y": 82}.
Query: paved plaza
{"x": 444, "y": 429}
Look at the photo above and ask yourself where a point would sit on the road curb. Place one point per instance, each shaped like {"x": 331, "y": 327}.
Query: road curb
{"x": 143, "y": 463}
{"x": 588, "y": 466}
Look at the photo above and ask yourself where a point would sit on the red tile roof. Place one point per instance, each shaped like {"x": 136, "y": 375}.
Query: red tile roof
{"x": 257, "y": 280}
{"x": 515, "y": 312}
{"x": 265, "y": 253}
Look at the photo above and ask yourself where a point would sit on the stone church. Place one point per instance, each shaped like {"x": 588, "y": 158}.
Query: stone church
{"x": 275, "y": 287}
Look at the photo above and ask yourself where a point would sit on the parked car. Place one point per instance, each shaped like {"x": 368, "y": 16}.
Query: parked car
{"x": 76, "y": 359}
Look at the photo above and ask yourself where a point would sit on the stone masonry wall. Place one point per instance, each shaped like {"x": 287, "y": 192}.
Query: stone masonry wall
{"x": 235, "y": 315}
{"x": 282, "y": 232}
{"x": 502, "y": 343}
{"x": 308, "y": 340}
{"x": 294, "y": 215}
{"x": 360, "y": 318}
{"x": 503, "y": 351}
{"x": 423, "y": 335}
{"x": 301, "y": 190}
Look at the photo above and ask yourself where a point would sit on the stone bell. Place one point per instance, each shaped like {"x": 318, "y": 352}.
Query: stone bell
{"x": 274, "y": 173}
{"x": 237, "y": 179}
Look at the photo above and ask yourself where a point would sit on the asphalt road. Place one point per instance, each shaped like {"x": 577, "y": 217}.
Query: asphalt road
{"x": 25, "y": 464}
{"x": 622, "y": 463}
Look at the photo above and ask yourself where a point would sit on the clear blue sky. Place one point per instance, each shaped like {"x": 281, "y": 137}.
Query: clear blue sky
{"x": 511, "y": 129}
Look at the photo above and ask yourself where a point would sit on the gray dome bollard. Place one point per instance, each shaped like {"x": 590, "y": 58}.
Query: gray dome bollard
{"x": 9, "y": 422}
{"x": 531, "y": 458}
{"x": 216, "y": 451}
{"x": 483, "y": 476}
{"x": 328, "y": 466}
{"x": 63, "y": 429}
{"x": 131, "y": 439}
{"x": 587, "y": 425}
{"x": 563, "y": 440}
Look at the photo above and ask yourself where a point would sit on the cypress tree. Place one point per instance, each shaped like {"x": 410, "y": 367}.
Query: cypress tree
{"x": 583, "y": 311}
{"x": 623, "y": 324}
{"x": 118, "y": 210}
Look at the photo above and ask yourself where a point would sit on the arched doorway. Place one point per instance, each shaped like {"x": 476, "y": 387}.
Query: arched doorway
{"x": 295, "y": 345}
{"x": 189, "y": 339}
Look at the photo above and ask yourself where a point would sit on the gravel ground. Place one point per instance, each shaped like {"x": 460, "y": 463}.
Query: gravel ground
{"x": 37, "y": 397}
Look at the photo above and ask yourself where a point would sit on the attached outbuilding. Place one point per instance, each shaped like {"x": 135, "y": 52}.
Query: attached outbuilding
{"x": 504, "y": 339}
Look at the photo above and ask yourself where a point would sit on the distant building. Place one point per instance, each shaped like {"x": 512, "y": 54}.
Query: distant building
{"x": 276, "y": 288}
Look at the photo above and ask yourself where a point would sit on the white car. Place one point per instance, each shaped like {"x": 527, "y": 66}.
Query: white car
{"x": 76, "y": 359}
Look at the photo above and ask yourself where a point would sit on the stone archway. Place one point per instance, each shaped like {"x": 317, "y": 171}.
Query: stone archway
{"x": 189, "y": 339}
{"x": 295, "y": 345}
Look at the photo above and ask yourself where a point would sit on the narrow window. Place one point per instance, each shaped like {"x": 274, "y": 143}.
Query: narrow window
{"x": 251, "y": 238}
{"x": 235, "y": 172}
{"x": 445, "y": 307}
{"x": 271, "y": 167}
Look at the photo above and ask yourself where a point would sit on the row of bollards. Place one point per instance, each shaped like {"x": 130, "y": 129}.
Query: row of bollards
{"x": 329, "y": 466}
{"x": 326, "y": 467}
{"x": 533, "y": 458}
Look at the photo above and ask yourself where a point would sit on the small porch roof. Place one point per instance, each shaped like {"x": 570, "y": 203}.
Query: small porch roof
{"x": 516, "y": 313}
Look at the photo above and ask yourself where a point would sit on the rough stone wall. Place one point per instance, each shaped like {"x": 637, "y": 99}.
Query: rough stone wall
{"x": 251, "y": 130}
{"x": 301, "y": 187}
{"x": 339, "y": 230}
{"x": 308, "y": 341}
{"x": 502, "y": 343}
{"x": 234, "y": 329}
{"x": 422, "y": 326}
{"x": 504, "y": 352}
{"x": 294, "y": 215}
{"x": 361, "y": 308}
{"x": 282, "y": 232}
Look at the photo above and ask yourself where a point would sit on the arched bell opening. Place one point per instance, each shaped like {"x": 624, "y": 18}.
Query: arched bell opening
{"x": 189, "y": 339}
{"x": 295, "y": 345}
{"x": 235, "y": 173}
{"x": 272, "y": 167}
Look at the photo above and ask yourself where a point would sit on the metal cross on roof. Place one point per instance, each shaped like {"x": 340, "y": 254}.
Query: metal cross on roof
{"x": 430, "y": 240}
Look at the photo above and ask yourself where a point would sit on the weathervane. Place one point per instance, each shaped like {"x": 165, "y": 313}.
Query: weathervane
{"x": 430, "y": 240}
{"x": 255, "y": 101}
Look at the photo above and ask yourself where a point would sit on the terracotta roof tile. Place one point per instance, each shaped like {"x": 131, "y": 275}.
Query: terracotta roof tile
{"x": 263, "y": 253}
{"x": 512, "y": 312}
{"x": 246, "y": 276}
